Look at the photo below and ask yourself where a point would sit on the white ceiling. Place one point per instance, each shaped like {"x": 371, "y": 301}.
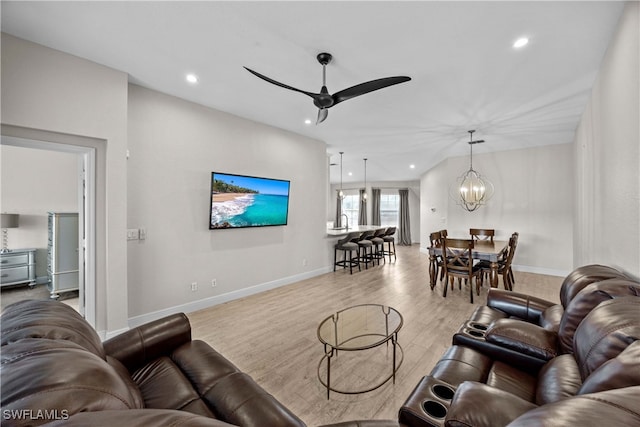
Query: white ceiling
{"x": 465, "y": 72}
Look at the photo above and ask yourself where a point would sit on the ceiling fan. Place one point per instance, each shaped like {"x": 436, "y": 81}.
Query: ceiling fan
{"x": 324, "y": 100}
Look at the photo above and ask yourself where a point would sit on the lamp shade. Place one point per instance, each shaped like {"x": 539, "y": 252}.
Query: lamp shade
{"x": 9, "y": 220}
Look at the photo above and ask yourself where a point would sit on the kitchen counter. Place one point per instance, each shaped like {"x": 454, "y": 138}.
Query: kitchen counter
{"x": 331, "y": 232}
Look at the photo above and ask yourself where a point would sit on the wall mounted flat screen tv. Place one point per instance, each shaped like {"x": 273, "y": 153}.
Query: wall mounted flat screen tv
{"x": 239, "y": 201}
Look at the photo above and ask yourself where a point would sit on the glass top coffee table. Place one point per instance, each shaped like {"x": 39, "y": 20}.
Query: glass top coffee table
{"x": 359, "y": 328}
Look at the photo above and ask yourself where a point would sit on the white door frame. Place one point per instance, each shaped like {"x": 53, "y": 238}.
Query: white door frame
{"x": 87, "y": 205}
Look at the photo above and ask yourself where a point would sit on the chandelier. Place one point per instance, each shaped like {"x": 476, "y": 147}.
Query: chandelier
{"x": 471, "y": 189}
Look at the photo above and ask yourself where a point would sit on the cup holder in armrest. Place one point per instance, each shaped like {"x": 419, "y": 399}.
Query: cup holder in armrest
{"x": 428, "y": 404}
{"x": 474, "y": 330}
{"x": 475, "y": 333}
{"x": 444, "y": 392}
{"x": 435, "y": 409}
{"x": 479, "y": 326}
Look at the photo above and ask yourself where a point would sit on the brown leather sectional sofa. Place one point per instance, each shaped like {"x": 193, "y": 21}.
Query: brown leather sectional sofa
{"x": 523, "y": 361}
{"x": 56, "y": 370}
{"x": 518, "y": 361}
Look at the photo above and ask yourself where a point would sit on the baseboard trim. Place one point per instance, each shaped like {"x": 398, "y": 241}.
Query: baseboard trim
{"x": 220, "y": 299}
{"x": 104, "y": 335}
{"x": 540, "y": 270}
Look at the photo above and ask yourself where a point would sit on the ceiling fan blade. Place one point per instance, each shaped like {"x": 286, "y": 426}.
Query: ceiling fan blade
{"x": 263, "y": 77}
{"x": 367, "y": 87}
{"x": 322, "y": 115}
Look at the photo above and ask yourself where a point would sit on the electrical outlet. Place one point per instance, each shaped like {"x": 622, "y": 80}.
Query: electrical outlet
{"x": 214, "y": 283}
{"x": 194, "y": 286}
{"x": 304, "y": 261}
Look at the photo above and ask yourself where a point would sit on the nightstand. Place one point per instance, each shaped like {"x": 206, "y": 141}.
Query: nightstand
{"x": 18, "y": 266}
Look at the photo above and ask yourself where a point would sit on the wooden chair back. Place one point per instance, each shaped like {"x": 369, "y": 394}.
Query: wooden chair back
{"x": 513, "y": 243}
{"x": 482, "y": 234}
{"x": 457, "y": 260}
{"x": 435, "y": 239}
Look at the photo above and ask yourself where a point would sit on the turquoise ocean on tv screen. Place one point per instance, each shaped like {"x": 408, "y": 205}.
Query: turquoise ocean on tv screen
{"x": 253, "y": 210}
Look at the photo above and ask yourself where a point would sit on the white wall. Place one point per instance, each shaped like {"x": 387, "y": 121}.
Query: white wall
{"x": 47, "y": 90}
{"x": 174, "y": 146}
{"x": 607, "y": 156}
{"x": 32, "y": 183}
{"x": 533, "y": 196}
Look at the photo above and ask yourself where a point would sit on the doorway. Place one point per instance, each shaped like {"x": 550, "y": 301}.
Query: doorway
{"x": 82, "y": 162}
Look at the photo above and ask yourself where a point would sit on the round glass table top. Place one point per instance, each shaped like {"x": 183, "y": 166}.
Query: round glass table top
{"x": 360, "y": 327}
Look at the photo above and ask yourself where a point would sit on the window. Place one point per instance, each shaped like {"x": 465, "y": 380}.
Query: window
{"x": 389, "y": 206}
{"x": 350, "y": 207}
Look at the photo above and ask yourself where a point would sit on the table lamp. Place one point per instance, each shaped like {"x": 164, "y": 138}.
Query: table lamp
{"x": 7, "y": 221}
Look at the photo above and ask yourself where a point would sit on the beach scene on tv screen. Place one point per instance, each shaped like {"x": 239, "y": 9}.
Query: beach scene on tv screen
{"x": 244, "y": 201}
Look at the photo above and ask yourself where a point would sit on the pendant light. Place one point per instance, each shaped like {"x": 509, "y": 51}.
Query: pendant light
{"x": 471, "y": 190}
{"x": 341, "y": 193}
{"x": 364, "y": 196}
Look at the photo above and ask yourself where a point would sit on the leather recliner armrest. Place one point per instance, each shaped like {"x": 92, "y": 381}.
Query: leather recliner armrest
{"x": 476, "y": 404}
{"x": 147, "y": 342}
{"x": 523, "y": 337}
{"x": 525, "y": 307}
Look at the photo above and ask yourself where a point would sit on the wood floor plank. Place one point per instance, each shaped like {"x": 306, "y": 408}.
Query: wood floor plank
{"x": 272, "y": 335}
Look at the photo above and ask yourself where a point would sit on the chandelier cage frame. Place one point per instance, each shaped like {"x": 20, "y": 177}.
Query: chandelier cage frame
{"x": 471, "y": 190}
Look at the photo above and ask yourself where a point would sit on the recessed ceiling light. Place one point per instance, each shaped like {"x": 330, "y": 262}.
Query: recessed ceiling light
{"x": 192, "y": 78}
{"x": 412, "y": 166}
{"x": 350, "y": 173}
{"x": 307, "y": 122}
{"x": 521, "y": 42}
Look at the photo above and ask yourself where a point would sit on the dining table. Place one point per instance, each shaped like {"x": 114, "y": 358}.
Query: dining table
{"x": 483, "y": 250}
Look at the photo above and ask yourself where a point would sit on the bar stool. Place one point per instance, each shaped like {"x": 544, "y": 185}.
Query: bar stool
{"x": 347, "y": 246}
{"x": 378, "y": 244}
{"x": 365, "y": 248}
{"x": 390, "y": 240}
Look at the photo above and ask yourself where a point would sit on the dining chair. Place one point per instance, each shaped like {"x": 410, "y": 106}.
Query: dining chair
{"x": 504, "y": 265}
{"x": 485, "y": 234}
{"x": 436, "y": 242}
{"x": 347, "y": 246}
{"x": 458, "y": 263}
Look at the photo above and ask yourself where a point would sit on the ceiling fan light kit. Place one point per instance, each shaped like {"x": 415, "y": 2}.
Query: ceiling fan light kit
{"x": 471, "y": 190}
{"x": 324, "y": 100}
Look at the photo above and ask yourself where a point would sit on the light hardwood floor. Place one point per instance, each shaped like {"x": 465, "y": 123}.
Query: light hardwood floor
{"x": 272, "y": 335}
